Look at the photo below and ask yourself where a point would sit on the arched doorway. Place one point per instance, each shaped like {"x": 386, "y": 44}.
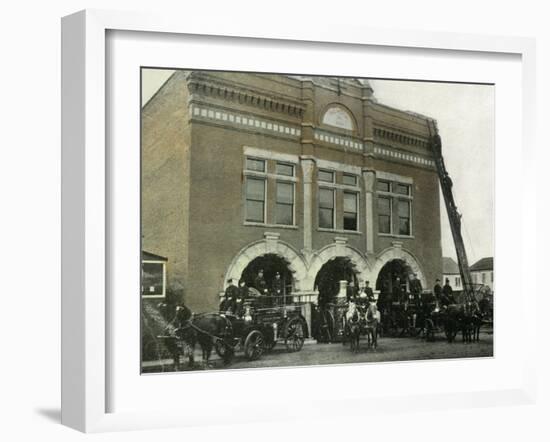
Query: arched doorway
{"x": 327, "y": 317}
{"x": 270, "y": 264}
{"x": 269, "y": 246}
{"x": 327, "y": 280}
{"x": 387, "y": 277}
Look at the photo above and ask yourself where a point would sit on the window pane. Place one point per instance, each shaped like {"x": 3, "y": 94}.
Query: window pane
{"x": 285, "y": 169}
{"x": 152, "y": 278}
{"x": 402, "y": 189}
{"x": 403, "y": 209}
{"x": 257, "y": 165}
{"x": 383, "y": 186}
{"x": 404, "y": 226}
{"x": 283, "y": 214}
{"x": 326, "y": 218}
{"x": 350, "y": 180}
{"x": 255, "y": 211}
{"x": 326, "y": 198}
{"x": 255, "y": 189}
{"x": 350, "y": 202}
{"x": 384, "y": 207}
{"x": 285, "y": 193}
{"x": 325, "y": 175}
{"x": 384, "y": 224}
{"x": 350, "y": 221}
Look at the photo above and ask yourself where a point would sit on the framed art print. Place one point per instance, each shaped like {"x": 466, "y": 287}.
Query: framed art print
{"x": 279, "y": 211}
{"x": 266, "y": 208}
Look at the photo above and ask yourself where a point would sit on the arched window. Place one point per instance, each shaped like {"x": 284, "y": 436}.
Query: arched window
{"x": 339, "y": 117}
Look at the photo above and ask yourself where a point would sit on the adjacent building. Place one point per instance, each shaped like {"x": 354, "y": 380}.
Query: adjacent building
{"x": 482, "y": 272}
{"x": 310, "y": 177}
{"x": 452, "y": 273}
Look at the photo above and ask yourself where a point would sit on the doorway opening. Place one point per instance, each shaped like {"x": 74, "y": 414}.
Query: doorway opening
{"x": 271, "y": 264}
{"x": 389, "y": 274}
{"x": 327, "y": 281}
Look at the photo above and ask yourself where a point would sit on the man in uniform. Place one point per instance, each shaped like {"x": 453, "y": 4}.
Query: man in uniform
{"x": 369, "y": 292}
{"x": 399, "y": 295}
{"x": 277, "y": 289}
{"x": 416, "y": 289}
{"x": 416, "y": 292}
{"x": 351, "y": 293}
{"x": 447, "y": 296}
{"x": 183, "y": 316}
{"x": 437, "y": 290}
{"x": 231, "y": 294}
{"x": 241, "y": 298}
{"x": 261, "y": 285}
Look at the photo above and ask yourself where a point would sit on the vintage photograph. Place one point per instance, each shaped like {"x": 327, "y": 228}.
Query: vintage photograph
{"x": 299, "y": 220}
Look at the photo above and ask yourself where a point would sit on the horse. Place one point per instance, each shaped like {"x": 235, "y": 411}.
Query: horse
{"x": 353, "y": 326}
{"x": 372, "y": 320}
{"x": 212, "y": 330}
{"x": 208, "y": 330}
{"x": 486, "y": 308}
{"x": 461, "y": 317}
{"x": 472, "y": 321}
{"x": 185, "y": 338}
{"x": 452, "y": 317}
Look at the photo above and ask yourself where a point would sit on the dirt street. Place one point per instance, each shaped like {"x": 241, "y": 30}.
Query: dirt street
{"x": 389, "y": 349}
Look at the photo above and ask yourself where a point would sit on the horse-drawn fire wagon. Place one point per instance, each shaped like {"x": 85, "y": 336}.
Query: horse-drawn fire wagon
{"x": 466, "y": 315}
{"x": 265, "y": 321}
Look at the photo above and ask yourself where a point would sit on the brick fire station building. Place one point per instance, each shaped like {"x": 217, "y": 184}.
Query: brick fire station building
{"x": 308, "y": 176}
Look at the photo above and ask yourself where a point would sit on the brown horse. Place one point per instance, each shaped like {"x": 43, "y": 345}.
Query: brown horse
{"x": 461, "y": 317}
{"x": 471, "y": 322}
{"x": 212, "y": 330}
{"x": 208, "y": 330}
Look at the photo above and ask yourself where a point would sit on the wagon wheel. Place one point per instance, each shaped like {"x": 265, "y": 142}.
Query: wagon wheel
{"x": 294, "y": 335}
{"x": 254, "y": 345}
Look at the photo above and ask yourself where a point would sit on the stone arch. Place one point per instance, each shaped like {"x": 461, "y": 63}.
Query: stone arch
{"x": 333, "y": 251}
{"x": 260, "y": 248}
{"x": 392, "y": 253}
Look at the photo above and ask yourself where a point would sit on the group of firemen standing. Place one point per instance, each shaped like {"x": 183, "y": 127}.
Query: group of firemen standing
{"x": 235, "y": 296}
{"x": 399, "y": 295}
{"x": 275, "y": 294}
{"x": 424, "y": 302}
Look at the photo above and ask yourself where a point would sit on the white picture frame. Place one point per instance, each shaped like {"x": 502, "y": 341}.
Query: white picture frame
{"x": 86, "y": 209}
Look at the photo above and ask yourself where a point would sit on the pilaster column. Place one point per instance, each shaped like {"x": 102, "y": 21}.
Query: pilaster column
{"x": 308, "y": 117}
{"x": 368, "y": 129}
{"x": 308, "y": 169}
{"x": 369, "y": 177}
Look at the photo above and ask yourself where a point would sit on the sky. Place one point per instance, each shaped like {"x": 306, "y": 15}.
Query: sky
{"x": 465, "y": 117}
